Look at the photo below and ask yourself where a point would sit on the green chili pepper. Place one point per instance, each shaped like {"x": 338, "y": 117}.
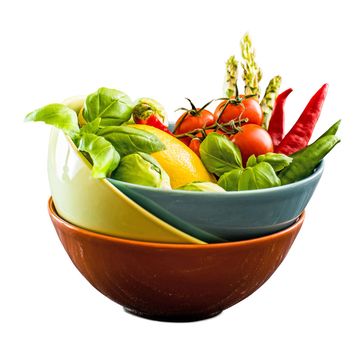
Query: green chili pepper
{"x": 304, "y": 164}
{"x": 331, "y": 131}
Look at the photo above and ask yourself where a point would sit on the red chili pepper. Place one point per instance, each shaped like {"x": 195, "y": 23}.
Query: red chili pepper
{"x": 152, "y": 120}
{"x": 276, "y": 123}
{"x": 300, "y": 134}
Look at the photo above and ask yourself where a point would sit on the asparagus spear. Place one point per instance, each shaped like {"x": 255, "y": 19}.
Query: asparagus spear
{"x": 269, "y": 98}
{"x": 231, "y": 77}
{"x": 252, "y": 74}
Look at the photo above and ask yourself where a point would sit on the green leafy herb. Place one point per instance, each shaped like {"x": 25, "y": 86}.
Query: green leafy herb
{"x": 104, "y": 157}
{"x": 142, "y": 169}
{"x": 57, "y": 115}
{"x": 251, "y": 161}
{"x": 127, "y": 140}
{"x": 219, "y": 155}
{"x": 278, "y": 161}
{"x": 201, "y": 187}
{"x": 91, "y": 127}
{"x": 112, "y": 106}
{"x": 229, "y": 181}
{"x": 259, "y": 176}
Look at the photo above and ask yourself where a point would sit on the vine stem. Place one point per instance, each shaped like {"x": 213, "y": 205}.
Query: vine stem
{"x": 230, "y": 127}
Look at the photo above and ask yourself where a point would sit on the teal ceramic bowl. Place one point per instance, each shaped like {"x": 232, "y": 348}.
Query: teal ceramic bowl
{"x": 230, "y": 216}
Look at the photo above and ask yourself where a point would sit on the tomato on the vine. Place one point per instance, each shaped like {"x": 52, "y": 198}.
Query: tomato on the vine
{"x": 237, "y": 108}
{"x": 195, "y": 142}
{"x": 194, "y": 145}
{"x": 252, "y": 139}
{"x": 194, "y": 118}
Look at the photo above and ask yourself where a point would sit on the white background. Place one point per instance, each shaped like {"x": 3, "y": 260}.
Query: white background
{"x": 170, "y": 50}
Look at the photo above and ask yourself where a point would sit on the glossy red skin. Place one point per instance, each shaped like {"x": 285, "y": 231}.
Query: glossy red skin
{"x": 192, "y": 122}
{"x": 249, "y": 108}
{"x": 196, "y": 141}
{"x": 194, "y": 145}
{"x": 252, "y": 139}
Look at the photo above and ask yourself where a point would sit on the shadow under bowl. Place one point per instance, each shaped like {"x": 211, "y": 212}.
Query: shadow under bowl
{"x": 173, "y": 282}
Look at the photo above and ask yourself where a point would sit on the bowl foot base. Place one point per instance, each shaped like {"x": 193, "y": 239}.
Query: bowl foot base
{"x": 172, "y": 318}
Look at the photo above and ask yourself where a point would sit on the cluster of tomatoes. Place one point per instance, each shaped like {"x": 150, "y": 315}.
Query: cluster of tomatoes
{"x": 239, "y": 118}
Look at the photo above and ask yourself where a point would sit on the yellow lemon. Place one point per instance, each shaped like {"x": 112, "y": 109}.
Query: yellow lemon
{"x": 179, "y": 161}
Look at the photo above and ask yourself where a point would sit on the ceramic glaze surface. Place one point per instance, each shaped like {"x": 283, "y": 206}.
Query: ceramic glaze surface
{"x": 96, "y": 204}
{"x": 231, "y": 216}
{"x": 174, "y": 282}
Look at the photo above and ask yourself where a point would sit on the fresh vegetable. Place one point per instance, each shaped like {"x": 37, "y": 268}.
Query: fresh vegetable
{"x": 201, "y": 187}
{"x": 252, "y": 74}
{"x": 127, "y": 139}
{"x": 219, "y": 155}
{"x": 152, "y": 120}
{"x": 194, "y": 145}
{"x": 252, "y": 139}
{"x": 304, "y": 164}
{"x": 261, "y": 175}
{"x": 276, "y": 122}
{"x": 278, "y": 161}
{"x": 270, "y": 96}
{"x": 113, "y": 107}
{"x": 197, "y": 138}
{"x": 231, "y": 77}
{"x": 239, "y": 107}
{"x": 300, "y": 134}
{"x": 104, "y": 157}
{"x": 91, "y": 127}
{"x": 146, "y": 107}
{"x": 57, "y": 115}
{"x": 331, "y": 131}
{"x": 180, "y": 163}
{"x": 193, "y": 118}
{"x": 132, "y": 142}
{"x": 142, "y": 169}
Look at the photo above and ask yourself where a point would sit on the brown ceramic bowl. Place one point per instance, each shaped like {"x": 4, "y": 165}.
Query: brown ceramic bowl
{"x": 174, "y": 282}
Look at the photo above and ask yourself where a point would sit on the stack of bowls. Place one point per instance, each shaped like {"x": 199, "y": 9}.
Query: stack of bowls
{"x": 162, "y": 254}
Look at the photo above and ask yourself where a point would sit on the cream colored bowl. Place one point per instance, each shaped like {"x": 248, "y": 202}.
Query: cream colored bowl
{"x": 96, "y": 204}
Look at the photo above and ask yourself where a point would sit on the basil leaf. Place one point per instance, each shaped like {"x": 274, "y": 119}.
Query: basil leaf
{"x": 219, "y": 155}
{"x": 57, "y": 115}
{"x": 201, "y": 187}
{"x": 229, "y": 180}
{"x": 142, "y": 169}
{"x": 127, "y": 140}
{"x": 104, "y": 156}
{"x": 91, "y": 127}
{"x": 112, "y": 106}
{"x": 251, "y": 161}
{"x": 278, "y": 161}
{"x": 259, "y": 176}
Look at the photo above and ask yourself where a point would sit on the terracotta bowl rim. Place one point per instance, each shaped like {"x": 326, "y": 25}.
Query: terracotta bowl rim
{"x": 189, "y": 246}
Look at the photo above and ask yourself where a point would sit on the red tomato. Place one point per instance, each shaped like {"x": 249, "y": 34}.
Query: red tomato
{"x": 252, "y": 139}
{"x": 194, "y": 119}
{"x": 240, "y": 109}
{"x": 194, "y": 145}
